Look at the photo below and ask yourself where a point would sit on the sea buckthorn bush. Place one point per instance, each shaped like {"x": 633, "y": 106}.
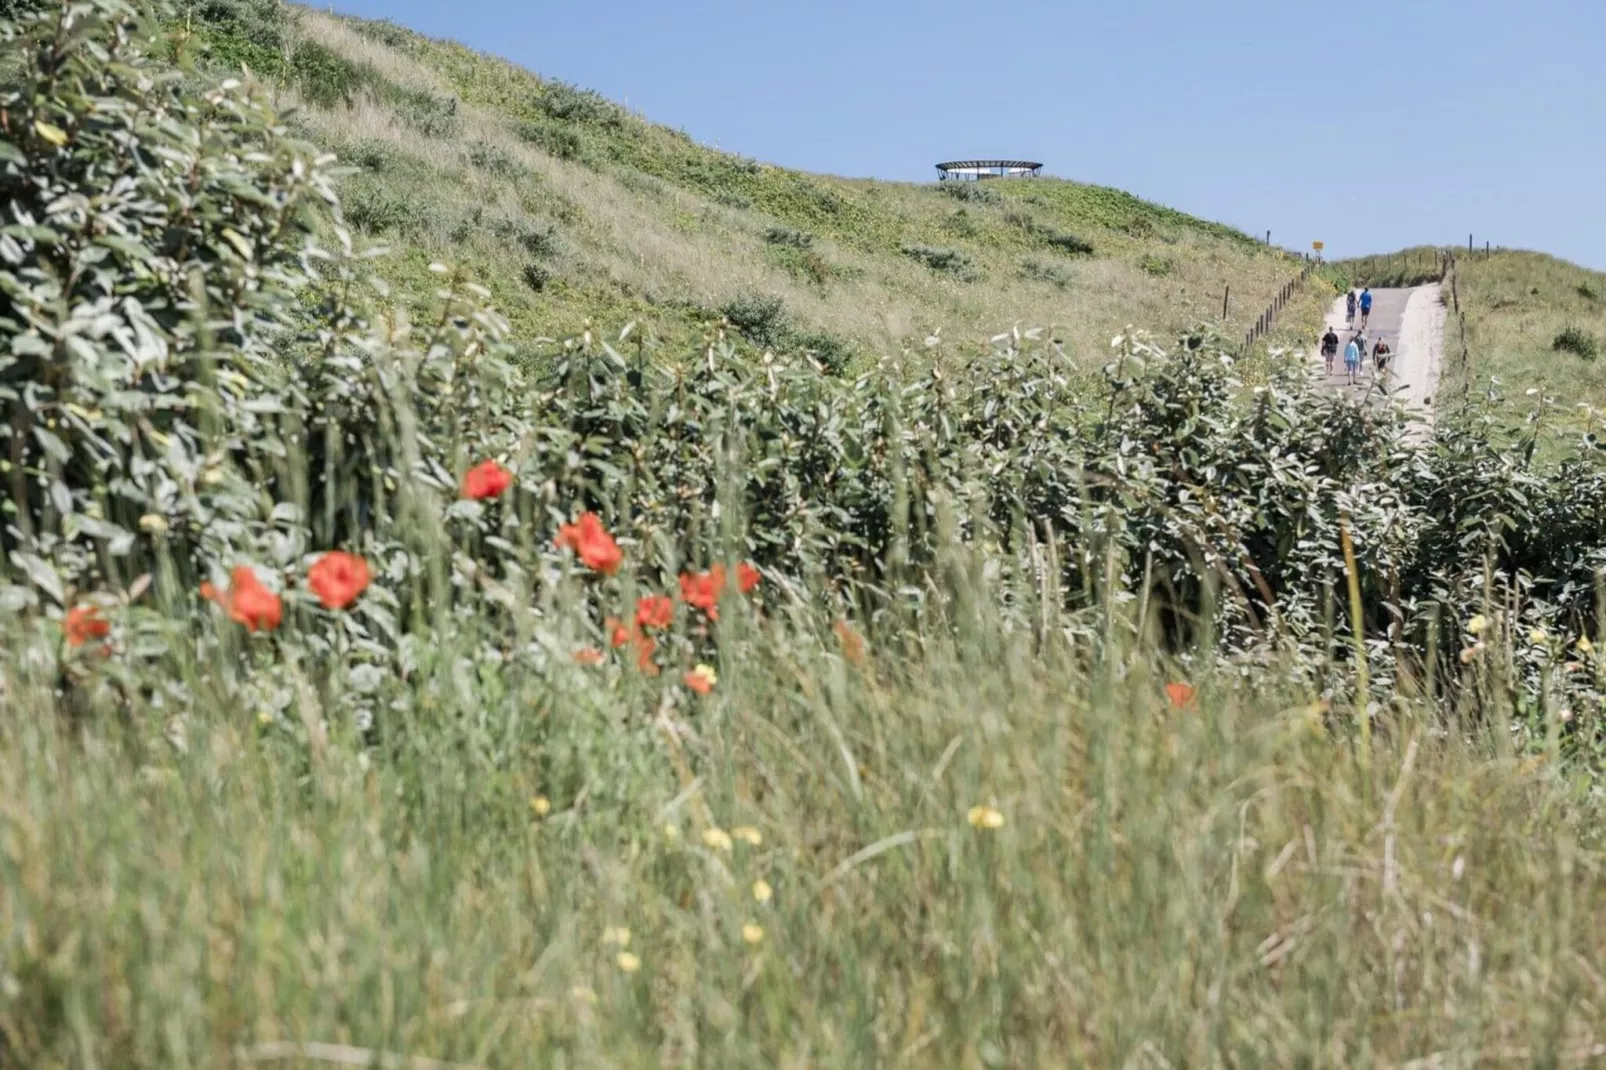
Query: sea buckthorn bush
{"x": 196, "y": 375}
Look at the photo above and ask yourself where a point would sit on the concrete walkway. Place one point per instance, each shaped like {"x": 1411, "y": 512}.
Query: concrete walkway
{"x": 1411, "y": 321}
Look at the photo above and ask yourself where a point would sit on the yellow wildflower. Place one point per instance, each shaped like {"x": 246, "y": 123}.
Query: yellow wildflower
{"x": 671, "y": 831}
{"x": 762, "y": 891}
{"x": 1538, "y": 637}
{"x": 1477, "y": 624}
{"x": 702, "y": 679}
{"x": 717, "y": 839}
{"x": 748, "y": 835}
{"x": 628, "y": 962}
{"x": 1584, "y": 645}
{"x": 154, "y": 523}
{"x": 753, "y": 934}
{"x": 616, "y": 935}
{"x": 985, "y": 817}
{"x": 541, "y": 805}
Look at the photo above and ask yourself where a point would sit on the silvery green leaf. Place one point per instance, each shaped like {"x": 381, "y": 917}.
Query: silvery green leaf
{"x": 42, "y": 573}
{"x": 366, "y": 678}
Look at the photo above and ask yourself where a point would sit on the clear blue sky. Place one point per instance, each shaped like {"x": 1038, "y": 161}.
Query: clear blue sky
{"x": 1370, "y": 126}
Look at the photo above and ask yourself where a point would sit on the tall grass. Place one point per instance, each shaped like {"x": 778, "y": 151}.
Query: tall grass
{"x": 1226, "y": 881}
{"x": 1517, "y": 304}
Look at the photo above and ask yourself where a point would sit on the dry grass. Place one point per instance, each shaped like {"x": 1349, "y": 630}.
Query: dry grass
{"x": 637, "y": 243}
{"x": 1516, "y": 303}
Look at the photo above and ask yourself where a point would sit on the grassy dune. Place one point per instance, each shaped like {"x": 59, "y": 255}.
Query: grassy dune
{"x": 1534, "y": 322}
{"x": 570, "y": 207}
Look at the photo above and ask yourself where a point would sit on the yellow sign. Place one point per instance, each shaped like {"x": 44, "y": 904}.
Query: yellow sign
{"x": 1318, "y": 246}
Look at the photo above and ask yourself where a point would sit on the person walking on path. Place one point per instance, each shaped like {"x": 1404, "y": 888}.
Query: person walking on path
{"x": 1349, "y": 307}
{"x": 1380, "y": 357}
{"x": 1366, "y": 305}
{"x": 1330, "y": 348}
{"x": 1352, "y": 361}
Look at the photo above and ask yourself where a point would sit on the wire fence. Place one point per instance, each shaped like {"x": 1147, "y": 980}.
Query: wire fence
{"x": 1450, "y": 275}
{"x": 1410, "y": 267}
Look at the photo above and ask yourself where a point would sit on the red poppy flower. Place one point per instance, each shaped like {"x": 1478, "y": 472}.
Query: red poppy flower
{"x": 1180, "y": 695}
{"x": 84, "y": 623}
{"x": 646, "y": 646}
{"x": 655, "y": 611}
{"x": 337, "y": 578}
{"x": 246, "y": 601}
{"x": 618, "y": 634}
{"x": 852, "y": 642}
{"x": 702, "y": 589}
{"x": 747, "y": 577}
{"x": 588, "y": 656}
{"x": 596, "y": 548}
{"x": 488, "y": 479}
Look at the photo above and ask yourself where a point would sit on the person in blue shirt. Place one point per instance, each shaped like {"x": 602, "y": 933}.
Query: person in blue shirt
{"x": 1366, "y": 305}
{"x": 1352, "y": 361}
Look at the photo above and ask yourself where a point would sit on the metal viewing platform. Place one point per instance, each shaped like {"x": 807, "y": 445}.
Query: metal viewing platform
{"x": 976, "y": 170}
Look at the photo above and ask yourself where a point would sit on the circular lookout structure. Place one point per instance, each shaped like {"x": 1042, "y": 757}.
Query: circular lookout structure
{"x": 976, "y": 170}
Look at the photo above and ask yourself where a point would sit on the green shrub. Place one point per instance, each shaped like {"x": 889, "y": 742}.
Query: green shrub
{"x": 570, "y": 104}
{"x": 804, "y": 264}
{"x": 830, "y": 352}
{"x": 376, "y": 208}
{"x": 326, "y": 78}
{"x": 760, "y": 318}
{"x": 1576, "y": 341}
{"x": 961, "y": 224}
{"x": 497, "y": 161}
{"x": 1044, "y": 271}
{"x": 554, "y": 139}
{"x": 944, "y": 260}
{"x": 428, "y": 113}
{"x": 969, "y": 192}
{"x": 1054, "y": 239}
{"x": 370, "y": 154}
{"x": 386, "y": 32}
{"x": 538, "y": 241}
{"x": 236, "y": 34}
{"x": 1587, "y": 292}
{"x": 1158, "y": 266}
{"x": 536, "y": 276}
{"x": 797, "y": 239}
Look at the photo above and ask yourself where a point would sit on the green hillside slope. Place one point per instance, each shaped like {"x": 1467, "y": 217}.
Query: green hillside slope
{"x": 570, "y": 207}
{"x": 1532, "y": 322}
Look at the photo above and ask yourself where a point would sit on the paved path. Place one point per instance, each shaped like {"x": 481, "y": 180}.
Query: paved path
{"x": 1411, "y": 321}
